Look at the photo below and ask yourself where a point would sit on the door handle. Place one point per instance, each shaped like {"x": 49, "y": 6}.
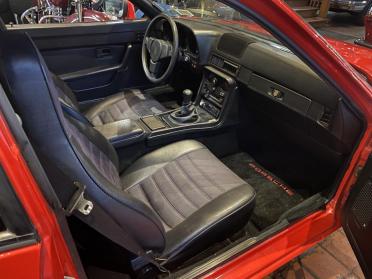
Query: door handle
{"x": 103, "y": 53}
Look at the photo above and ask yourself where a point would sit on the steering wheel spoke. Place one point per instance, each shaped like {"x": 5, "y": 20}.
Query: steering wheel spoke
{"x": 154, "y": 67}
{"x": 148, "y": 42}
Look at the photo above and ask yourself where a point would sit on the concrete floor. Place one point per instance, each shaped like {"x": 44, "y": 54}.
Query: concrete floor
{"x": 331, "y": 258}
{"x": 342, "y": 27}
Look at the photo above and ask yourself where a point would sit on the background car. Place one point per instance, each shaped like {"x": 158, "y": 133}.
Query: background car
{"x": 358, "y": 8}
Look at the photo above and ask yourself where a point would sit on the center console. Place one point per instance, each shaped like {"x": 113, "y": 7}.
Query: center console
{"x": 214, "y": 91}
{"x": 206, "y": 112}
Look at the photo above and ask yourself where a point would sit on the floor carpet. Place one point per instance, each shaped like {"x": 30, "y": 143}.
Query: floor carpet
{"x": 273, "y": 196}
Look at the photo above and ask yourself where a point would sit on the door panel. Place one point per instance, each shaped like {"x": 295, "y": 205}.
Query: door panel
{"x": 357, "y": 219}
{"x": 62, "y": 61}
{"x": 95, "y": 59}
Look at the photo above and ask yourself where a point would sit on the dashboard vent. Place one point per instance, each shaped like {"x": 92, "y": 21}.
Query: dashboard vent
{"x": 225, "y": 65}
{"x": 217, "y": 61}
{"x": 326, "y": 118}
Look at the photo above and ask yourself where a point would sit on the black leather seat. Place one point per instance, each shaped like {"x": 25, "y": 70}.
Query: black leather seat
{"x": 129, "y": 104}
{"x": 174, "y": 201}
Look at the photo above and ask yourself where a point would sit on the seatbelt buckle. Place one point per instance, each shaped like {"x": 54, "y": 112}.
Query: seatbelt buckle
{"x": 78, "y": 202}
{"x": 141, "y": 262}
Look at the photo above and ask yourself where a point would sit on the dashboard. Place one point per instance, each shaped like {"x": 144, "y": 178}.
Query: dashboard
{"x": 270, "y": 71}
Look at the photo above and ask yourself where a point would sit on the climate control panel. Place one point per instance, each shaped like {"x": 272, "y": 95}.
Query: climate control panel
{"x": 214, "y": 91}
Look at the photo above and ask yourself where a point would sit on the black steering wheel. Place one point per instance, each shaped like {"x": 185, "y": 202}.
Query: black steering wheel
{"x": 160, "y": 48}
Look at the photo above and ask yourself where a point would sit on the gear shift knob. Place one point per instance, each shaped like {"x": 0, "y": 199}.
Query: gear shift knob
{"x": 187, "y": 97}
{"x": 187, "y": 112}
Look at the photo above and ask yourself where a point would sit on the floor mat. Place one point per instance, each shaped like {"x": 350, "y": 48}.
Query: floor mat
{"x": 273, "y": 196}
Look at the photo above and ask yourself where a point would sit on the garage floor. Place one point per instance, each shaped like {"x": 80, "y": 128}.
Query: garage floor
{"x": 342, "y": 27}
{"x": 332, "y": 258}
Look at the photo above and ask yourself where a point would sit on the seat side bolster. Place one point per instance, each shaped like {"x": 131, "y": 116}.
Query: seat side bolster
{"x": 213, "y": 221}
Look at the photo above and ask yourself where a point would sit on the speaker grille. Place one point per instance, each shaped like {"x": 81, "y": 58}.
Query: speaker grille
{"x": 362, "y": 208}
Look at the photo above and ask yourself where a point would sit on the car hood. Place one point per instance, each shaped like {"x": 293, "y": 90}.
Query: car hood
{"x": 358, "y": 56}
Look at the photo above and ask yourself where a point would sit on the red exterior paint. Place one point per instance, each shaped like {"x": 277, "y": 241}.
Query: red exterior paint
{"x": 283, "y": 247}
{"x": 60, "y": 3}
{"x": 131, "y": 14}
{"x": 359, "y": 57}
{"x": 28, "y": 258}
{"x": 89, "y": 16}
{"x": 50, "y": 258}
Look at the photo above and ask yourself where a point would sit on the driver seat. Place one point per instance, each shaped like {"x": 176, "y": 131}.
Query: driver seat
{"x": 129, "y": 104}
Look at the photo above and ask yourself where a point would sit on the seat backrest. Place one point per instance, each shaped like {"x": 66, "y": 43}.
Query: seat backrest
{"x": 73, "y": 147}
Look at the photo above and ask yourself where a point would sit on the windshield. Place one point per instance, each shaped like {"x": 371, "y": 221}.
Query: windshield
{"x": 198, "y": 8}
{"x": 213, "y": 11}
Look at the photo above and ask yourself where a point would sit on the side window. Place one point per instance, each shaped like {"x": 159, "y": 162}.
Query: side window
{"x": 16, "y": 229}
{"x": 119, "y": 9}
{"x": 69, "y": 11}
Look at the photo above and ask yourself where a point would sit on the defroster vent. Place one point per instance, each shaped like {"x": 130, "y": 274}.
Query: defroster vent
{"x": 221, "y": 63}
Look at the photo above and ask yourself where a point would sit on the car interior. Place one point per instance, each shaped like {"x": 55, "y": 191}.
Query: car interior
{"x": 172, "y": 142}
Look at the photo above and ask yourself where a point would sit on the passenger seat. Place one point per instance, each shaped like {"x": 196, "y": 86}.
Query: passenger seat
{"x": 172, "y": 202}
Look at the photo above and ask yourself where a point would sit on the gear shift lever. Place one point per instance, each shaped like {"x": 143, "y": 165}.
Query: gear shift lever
{"x": 187, "y": 97}
{"x": 187, "y": 107}
{"x": 186, "y": 113}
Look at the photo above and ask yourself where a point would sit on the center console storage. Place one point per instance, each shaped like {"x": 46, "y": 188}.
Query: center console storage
{"x": 122, "y": 132}
{"x": 206, "y": 112}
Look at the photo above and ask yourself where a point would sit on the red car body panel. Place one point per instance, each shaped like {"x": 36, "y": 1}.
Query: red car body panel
{"x": 21, "y": 263}
{"x": 89, "y": 16}
{"x": 359, "y": 57}
{"x": 52, "y": 256}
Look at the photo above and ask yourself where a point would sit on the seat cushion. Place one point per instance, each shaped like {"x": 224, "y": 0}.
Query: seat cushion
{"x": 191, "y": 191}
{"x": 130, "y": 104}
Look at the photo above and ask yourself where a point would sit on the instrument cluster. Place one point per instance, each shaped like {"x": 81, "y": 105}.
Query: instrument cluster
{"x": 188, "y": 45}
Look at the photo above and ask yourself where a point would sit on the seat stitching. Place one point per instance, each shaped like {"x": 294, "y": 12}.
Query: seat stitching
{"x": 166, "y": 198}
{"x": 217, "y": 222}
{"x": 178, "y": 165}
{"x": 98, "y": 117}
{"x": 119, "y": 108}
{"x": 205, "y": 175}
{"x": 168, "y": 175}
{"x": 116, "y": 107}
{"x": 110, "y": 114}
{"x": 152, "y": 205}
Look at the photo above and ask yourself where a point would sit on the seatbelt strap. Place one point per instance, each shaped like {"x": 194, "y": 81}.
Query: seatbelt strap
{"x": 71, "y": 196}
{"x": 70, "y": 111}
